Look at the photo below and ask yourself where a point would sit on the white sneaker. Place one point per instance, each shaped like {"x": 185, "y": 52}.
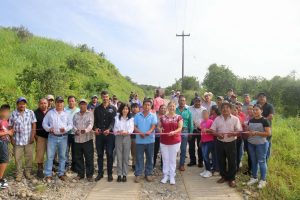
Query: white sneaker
{"x": 216, "y": 173}
{"x": 165, "y": 179}
{"x": 172, "y": 180}
{"x": 207, "y": 174}
{"x": 3, "y": 184}
{"x": 201, "y": 174}
{"x": 241, "y": 164}
{"x": 261, "y": 184}
{"x": 252, "y": 181}
{"x": 114, "y": 165}
{"x": 129, "y": 163}
{"x": 97, "y": 168}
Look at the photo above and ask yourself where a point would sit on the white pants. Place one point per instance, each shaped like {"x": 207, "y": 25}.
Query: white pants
{"x": 169, "y": 155}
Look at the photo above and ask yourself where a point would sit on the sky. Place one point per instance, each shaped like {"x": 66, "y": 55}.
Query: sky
{"x": 252, "y": 38}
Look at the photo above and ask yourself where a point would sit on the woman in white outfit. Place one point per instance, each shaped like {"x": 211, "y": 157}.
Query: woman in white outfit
{"x": 124, "y": 124}
{"x": 170, "y": 143}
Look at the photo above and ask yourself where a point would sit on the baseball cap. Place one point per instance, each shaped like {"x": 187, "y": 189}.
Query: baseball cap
{"x": 172, "y": 91}
{"x": 50, "y": 97}
{"x": 95, "y": 96}
{"x": 21, "y": 99}
{"x": 233, "y": 96}
{"x": 115, "y": 97}
{"x": 261, "y": 93}
{"x": 198, "y": 98}
{"x": 197, "y": 94}
{"x": 59, "y": 98}
{"x": 220, "y": 97}
{"x": 230, "y": 89}
{"x": 178, "y": 92}
{"x": 82, "y": 100}
{"x": 131, "y": 91}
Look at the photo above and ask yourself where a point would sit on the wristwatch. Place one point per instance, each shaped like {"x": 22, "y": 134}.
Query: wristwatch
{"x": 256, "y": 132}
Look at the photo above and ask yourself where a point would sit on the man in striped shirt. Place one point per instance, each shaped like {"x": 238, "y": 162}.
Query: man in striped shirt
{"x": 23, "y": 121}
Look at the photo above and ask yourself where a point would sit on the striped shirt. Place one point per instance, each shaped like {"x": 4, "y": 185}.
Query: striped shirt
{"x": 23, "y": 124}
{"x": 86, "y": 122}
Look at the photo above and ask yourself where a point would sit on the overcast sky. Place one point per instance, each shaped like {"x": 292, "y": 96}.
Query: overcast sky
{"x": 138, "y": 36}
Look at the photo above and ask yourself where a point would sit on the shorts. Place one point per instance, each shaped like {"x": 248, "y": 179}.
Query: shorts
{"x": 41, "y": 149}
{"x": 4, "y": 158}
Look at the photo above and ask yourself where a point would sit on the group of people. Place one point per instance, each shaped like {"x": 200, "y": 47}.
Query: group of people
{"x": 142, "y": 128}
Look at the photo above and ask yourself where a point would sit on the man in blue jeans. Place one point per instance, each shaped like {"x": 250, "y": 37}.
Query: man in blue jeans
{"x": 57, "y": 122}
{"x": 144, "y": 124}
{"x": 187, "y": 127}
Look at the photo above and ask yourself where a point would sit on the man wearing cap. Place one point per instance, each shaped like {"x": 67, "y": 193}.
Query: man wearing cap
{"x": 176, "y": 98}
{"x": 268, "y": 113}
{"x": 93, "y": 104}
{"x": 131, "y": 96}
{"x": 24, "y": 122}
{"x": 247, "y": 102}
{"x": 173, "y": 95}
{"x": 115, "y": 101}
{"x": 220, "y": 100}
{"x": 208, "y": 102}
{"x": 196, "y": 95}
{"x": 196, "y": 110}
{"x": 50, "y": 99}
{"x": 41, "y": 136}
{"x": 234, "y": 99}
{"x": 83, "y": 122}
{"x": 187, "y": 127}
{"x": 229, "y": 94}
{"x": 136, "y": 100}
{"x": 158, "y": 101}
{"x": 226, "y": 144}
{"x": 71, "y": 135}
{"x": 57, "y": 122}
{"x": 104, "y": 120}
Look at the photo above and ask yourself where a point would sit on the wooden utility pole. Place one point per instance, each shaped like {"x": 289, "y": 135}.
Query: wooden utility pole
{"x": 182, "y": 58}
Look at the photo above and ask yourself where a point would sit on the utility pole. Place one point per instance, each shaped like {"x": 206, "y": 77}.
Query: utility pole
{"x": 182, "y": 57}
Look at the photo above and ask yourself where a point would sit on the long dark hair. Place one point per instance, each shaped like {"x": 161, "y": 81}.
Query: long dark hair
{"x": 152, "y": 102}
{"x": 122, "y": 106}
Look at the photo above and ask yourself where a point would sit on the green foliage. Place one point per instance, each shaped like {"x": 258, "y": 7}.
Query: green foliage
{"x": 189, "y": 83}
{"x": 282, "y": 92}
{"x": 34, "y": 66}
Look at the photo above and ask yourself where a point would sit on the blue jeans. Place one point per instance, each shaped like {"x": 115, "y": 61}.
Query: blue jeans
{"x": 184, "y": 140}
{"x": 214, "y": 156}
{"x": 61, "y": 144}
{"x": 109, "y": 142}
{"x": 241, "y": 151}
{"x": 70, "y": 143}
{"x": 140, "y": 149}
{"x": 206, "y": 149}
{"x": 258, "y": 153}
{"x": 269, "y": 149}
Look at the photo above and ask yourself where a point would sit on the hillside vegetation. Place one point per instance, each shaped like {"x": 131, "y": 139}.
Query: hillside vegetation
{"x": 33, "y": 67}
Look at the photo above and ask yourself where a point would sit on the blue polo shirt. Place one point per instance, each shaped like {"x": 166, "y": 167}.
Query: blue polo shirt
{"x": 144, "y": 125}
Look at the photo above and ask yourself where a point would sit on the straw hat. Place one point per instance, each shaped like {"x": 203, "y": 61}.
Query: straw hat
{"x": 207, "y": 93}
{"x": 225, "y": 103}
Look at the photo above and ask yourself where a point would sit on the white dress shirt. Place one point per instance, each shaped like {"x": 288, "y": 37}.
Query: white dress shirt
{"x": 54, "y": 120}
{"x": 124, "y": 124}
{"x": 197, "y": 114}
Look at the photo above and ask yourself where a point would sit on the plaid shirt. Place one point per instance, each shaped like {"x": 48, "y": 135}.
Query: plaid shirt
{"x": 22, "y": 123}
{"x": 86, "y": 122}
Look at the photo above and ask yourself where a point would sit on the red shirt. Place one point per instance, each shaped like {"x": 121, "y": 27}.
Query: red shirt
{"x": 242, "y": 115}
{"x": 158, "y": 102}
{"x": 4, "y": 128}
{"x": 170, "y": 124}
{"x": 241, "y": 121}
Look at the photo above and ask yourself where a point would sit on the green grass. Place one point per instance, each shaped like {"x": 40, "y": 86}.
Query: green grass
{"x": 40, "y": 188}
{"x": 283, "y": 176}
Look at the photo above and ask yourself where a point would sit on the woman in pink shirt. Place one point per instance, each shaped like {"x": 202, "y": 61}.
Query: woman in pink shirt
{"x": 170, "y": 143}
{"x": 206, "y": 143}
{"x": 240, "y": 107}
{"x": 214, "y": 111}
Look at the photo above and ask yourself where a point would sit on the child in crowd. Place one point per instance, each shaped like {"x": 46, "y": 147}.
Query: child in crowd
{"x": 240, "y": 107}
{"x": 5, "y": 135}
{"x": 206, "y": 143}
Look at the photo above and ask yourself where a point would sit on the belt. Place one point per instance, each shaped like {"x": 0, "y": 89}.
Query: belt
{"x": 59, "y": 135}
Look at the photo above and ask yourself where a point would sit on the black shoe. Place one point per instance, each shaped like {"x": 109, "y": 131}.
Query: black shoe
{"x": 124, "y": 179}
{"x": 55, "y": 162}
{"x": 191, "y": 164}
{"x": 98, "y": 178}
{"x": 200, "y": 164}
{"x": 133, "y": 167}
{"x": 40, "y": 174}
{"x": 54, "y": 169}
{"x": 247, "y": 173}
{"x": 110, "y": 178}
{"x": 119, "y": 179}
{"x": 74, "y": 169}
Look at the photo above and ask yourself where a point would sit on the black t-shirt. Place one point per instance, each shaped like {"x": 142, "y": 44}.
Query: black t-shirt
{"x": 268, "y": 109}
{"x": 263, "y": 121}
{"x": 39, "y": 121}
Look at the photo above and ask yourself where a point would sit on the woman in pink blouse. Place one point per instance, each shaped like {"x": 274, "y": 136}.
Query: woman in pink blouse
{"x": 170, "y": 143}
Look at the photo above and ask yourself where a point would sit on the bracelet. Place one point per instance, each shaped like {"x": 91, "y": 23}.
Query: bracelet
{"x": 256, "y": 132}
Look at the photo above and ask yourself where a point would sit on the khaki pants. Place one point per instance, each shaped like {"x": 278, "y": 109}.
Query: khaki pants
{"x": 133, "y": 150}
{"x": 28, "y": 154}
{"x": 41, "y": 148}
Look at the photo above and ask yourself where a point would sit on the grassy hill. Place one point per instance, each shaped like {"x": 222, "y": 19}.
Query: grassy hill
{"x": 33, "y": 66}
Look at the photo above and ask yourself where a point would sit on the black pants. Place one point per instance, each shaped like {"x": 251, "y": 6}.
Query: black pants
{"x": 156, "y": 149}
{"x": 192, "y": 148}
{"x": 109, "y": 142}
{"x": 238, "y": 146}
{"x": 249, "y": 158}
{"x": 87, "y": 150}
{"x": 227, "y": 150}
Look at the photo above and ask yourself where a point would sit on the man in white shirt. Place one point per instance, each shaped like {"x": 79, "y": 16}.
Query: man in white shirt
{"x": 173, "y": 95}
{"x": 176, "y": 98}
{"x": 196, "y": 110}
{"x": 115, "y": 101}
{"x": 57, "y": 122}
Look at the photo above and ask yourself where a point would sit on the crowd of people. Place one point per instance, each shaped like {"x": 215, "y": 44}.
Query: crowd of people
{"x": 221, "y": 131}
